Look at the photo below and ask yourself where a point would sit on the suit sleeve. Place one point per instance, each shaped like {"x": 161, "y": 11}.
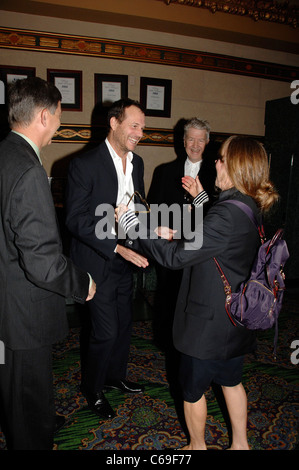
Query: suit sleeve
{"x": 37, "y": 238}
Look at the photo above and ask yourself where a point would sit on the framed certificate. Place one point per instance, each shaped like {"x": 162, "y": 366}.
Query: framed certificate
{"x": 9, "y": 74}
{"x": 109, "y": 88}
{"x": 69, "y": 83}
{"x": 155, "y": 96}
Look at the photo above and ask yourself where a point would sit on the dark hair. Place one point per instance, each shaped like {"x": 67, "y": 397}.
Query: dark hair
{"x": 29, "y": 94}
{"x": 118, "y": 109}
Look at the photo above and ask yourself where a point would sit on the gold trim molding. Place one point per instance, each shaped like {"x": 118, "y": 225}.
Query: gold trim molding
{"x": 86, "y": 134}
{"x": 20, "y": 39}
{"x": 258, "y": 10}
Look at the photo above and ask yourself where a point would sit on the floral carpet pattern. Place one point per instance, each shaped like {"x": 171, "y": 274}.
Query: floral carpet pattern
{"x": 153, "y": 421}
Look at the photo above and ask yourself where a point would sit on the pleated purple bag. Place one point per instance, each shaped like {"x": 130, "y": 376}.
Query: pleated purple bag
{"x": 257, "y": 303}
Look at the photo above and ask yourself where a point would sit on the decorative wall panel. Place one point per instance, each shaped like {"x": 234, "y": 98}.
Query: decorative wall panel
{"x": 121, "y": 50}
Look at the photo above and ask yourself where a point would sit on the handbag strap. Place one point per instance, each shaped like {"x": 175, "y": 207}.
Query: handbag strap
{"x": 227, "y": 291}
{"x": 249, "y": 212}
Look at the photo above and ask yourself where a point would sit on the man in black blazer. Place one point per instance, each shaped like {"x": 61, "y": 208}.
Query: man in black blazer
{"x": 35, "y": 276}
{"x": 192, "y": 160}
{"x": 97, "y": 182}
{"x": 191, "y": 138}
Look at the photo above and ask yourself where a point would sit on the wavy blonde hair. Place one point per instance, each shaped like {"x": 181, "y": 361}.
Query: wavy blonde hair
{"x": 247, "y": 166}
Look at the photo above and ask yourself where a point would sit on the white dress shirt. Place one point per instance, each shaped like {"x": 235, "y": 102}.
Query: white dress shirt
{"x": 192, "y": 169}
{"x": 125, "y": 180}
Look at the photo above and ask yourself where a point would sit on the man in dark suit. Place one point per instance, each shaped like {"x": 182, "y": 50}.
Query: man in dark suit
{"x": 97, "y": 182}
{"x": 35, "y": 276}
{"x": 191, "y": 161}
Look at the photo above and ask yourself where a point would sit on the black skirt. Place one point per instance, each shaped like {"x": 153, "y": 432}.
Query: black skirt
{"x": 197, "y": 375}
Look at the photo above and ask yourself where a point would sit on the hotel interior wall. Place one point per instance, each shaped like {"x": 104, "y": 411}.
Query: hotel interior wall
{"x": 231, "y": 103}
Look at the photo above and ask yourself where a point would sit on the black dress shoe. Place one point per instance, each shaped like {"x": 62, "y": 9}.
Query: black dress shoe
{"x": 125, "y": 386}
{"x": 59, "y": 423}
{"x": 100, "y": 406}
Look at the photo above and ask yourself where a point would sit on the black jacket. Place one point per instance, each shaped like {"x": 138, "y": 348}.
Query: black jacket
{"x": 201, "y": 327}
{"x": 35, "y": 276}
{"x": 92, "y": 187}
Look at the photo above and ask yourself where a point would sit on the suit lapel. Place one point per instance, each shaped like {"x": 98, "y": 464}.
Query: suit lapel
{"x": 135, "y": 174}
{"x": 109, "y": 168}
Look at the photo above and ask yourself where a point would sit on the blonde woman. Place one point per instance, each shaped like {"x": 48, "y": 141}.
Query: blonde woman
{"x": 212, "y": 348}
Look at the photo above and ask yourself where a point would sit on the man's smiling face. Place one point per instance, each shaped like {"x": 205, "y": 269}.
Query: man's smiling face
{"x": 127, "y": 133}
{"x": 195, "y": 142}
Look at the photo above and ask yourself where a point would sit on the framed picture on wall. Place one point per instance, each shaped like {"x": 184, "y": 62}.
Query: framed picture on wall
{"x": 69, "y": 83}
{"x": 9, "y": 74}
{"x": 109, "y": 88}
{"x": 155, "y": 96}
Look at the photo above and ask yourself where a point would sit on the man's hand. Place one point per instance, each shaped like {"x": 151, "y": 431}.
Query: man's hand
{"x": 165, "y": 232}
{"x": 92, "y": 291}
{"x": 132, "y": 256}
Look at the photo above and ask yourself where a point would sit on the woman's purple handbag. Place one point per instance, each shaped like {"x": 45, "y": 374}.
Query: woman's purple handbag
{"x": 258, "y": 302}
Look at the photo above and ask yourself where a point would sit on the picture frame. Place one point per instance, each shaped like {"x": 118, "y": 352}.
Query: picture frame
{"x": 69, "y": 83}
{"x": 109, "y": 88}
{"x": 155, "y": 96}
{"x": 10, "y": 73}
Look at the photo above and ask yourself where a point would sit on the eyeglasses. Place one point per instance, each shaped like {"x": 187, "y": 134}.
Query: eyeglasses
{"x": 219, "y": 158}
{"x": 143, "y": 201}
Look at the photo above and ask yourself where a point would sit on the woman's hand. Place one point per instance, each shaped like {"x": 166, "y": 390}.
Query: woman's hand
{"x": 119, "y": 211}
{"x": 193, "y": 186}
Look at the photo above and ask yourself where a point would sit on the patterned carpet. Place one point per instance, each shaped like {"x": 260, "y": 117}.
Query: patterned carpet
{"x": 153, "y": 420}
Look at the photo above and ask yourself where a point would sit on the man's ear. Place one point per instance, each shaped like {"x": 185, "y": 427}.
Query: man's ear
{"x": 44, "y": 116}
{"x": 113, "y": 122}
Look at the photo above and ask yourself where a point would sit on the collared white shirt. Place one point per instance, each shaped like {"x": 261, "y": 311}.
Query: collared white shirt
{"x": 125, "y": 180}
{"x": 192, "y": 169}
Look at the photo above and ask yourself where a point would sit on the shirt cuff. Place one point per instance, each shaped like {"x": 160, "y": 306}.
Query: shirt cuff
{"x": 90, "y": 281}
{"x": 200, "y": 199}
{"x": 128, "y": 220}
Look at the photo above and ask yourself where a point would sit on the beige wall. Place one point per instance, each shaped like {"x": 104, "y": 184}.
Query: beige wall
{"x": 231, "y": 103}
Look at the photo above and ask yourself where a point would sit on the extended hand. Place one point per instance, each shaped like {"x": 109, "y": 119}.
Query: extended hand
{"x": 165, "y": 232}
{"x": 119, "y": 211}
{"x": 193, "y": 186}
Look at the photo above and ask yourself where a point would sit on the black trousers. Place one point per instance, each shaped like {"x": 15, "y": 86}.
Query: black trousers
{"x": 111, "y": 328}
{"x": 27, "y": 412}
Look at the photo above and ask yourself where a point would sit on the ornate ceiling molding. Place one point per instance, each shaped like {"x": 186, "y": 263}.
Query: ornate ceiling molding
{"x": 258, "y": 10}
